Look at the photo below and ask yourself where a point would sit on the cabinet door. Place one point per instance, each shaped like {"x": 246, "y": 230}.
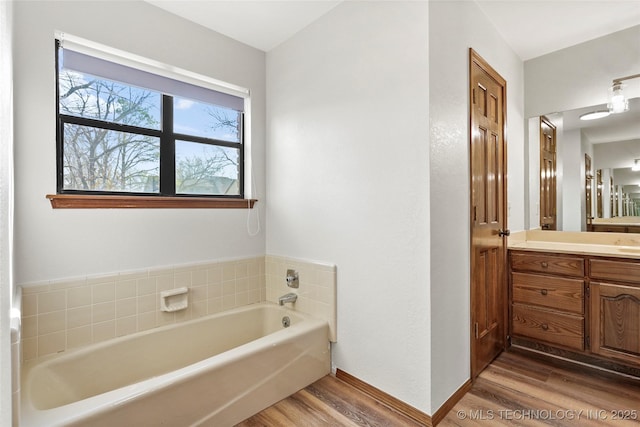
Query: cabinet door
{"x": 615, "y": 321}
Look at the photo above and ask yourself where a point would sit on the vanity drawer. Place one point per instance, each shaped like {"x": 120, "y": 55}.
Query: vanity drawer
{"x": 621, "y": 271}
{"x": 552, "y": 292}
{"x": 553, "y": 264}
{"x": 566, "y": 330}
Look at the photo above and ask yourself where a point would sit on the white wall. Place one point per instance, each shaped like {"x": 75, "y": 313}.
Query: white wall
{"x": 558, "y": 121}
{"x": 616, "y": 154}
{"x": 607, "y": 174}
{"x": 54, "y": 244}
{"x": 573, "y": 181}
{"x": 348, "y": 180}
{"x": 453, "y": 28}
{"x": 6, "y": 207}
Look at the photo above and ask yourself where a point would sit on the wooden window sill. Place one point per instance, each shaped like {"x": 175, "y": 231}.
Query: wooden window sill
{"x": 85, "y": 201}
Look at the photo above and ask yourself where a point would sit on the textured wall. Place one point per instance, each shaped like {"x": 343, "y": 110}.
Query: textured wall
{"x": 454, "y": 28}
{"x": 57, "y": 244}
{"x": 348, "y": 180}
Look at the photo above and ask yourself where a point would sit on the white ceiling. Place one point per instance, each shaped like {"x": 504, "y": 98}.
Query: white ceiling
{"x": 616, "y": 127}
{"x": 537, "y": 27}
{"x": 617, "y": 137}
{"x": 263, "y": 24}
{"x": 531, "y": 27}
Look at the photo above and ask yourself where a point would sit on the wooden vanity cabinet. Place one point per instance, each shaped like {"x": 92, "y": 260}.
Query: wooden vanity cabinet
{"x": 547, "y": 294}
{"x": 615, "y": 228}
{"x": 608, "y": 228}
{"x": 615, "y": 309}
{"x": 587, "y": 305}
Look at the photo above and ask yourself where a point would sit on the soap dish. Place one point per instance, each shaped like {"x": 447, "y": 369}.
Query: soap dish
{"x": 174, "y": 299}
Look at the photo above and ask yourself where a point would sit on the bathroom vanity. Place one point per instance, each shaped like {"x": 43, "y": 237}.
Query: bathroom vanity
{"x": 577, "y": 295}
{"x": 630, "y": 224}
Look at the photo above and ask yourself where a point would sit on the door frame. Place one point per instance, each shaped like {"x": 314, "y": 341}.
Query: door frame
{"x": 474, "y": 57}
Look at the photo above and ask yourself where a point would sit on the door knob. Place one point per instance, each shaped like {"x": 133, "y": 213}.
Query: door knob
{"x": 503, "y": 233}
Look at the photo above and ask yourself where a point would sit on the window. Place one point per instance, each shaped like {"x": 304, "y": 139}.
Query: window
{"x": 125, "y": 131}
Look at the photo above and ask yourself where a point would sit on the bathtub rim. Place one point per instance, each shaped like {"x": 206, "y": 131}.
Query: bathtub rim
{"x": 75, "y": 411}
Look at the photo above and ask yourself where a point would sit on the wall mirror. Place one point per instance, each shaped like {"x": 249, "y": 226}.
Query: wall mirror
{"x": 602, "y": 196}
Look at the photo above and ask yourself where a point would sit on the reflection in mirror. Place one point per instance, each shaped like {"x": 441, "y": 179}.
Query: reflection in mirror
{"x": 548, "y": 175}
{"x": 603, "y": 195}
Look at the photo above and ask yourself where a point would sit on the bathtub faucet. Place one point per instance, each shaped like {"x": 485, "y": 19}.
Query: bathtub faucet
{"x": 290, "y": 297}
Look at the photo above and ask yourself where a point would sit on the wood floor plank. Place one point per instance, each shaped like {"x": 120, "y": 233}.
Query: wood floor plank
{"x": 630, "y": 388}
{"x": 526, "y": 367}
{"x": 539, "y": 392}
{"x": 323, "y": 412}
{"x": 478, "y": 411}
{"x": 329, "y": 402}
{"x": 359, "y": 408}
{"x": 271, "y": 416}
{"x": 520, "y": 406}
{"x": 596, "y": 394}
{"x": 300, "y": 413}
{"x": 542, "y": 359}
{"x": 517, "y": 389}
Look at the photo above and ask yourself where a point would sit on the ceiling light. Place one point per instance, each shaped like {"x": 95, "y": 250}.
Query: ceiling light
{"x": 636, "y": 165}
{"x": 595, "y": 115}
{"x": 618, "y": 103}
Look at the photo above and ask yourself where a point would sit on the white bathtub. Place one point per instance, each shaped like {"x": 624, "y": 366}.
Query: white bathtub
{"x": 213, "y": 371}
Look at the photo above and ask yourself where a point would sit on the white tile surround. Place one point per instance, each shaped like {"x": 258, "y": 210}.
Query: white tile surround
{"x": 15, "y": 363}
{"x": 66, "y": 314}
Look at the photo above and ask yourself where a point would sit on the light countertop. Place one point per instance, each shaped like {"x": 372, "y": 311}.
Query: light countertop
{"x": 621, "y": 245}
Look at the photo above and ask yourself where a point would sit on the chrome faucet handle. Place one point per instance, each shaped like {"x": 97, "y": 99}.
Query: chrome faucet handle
{"x": 292, "y": 279}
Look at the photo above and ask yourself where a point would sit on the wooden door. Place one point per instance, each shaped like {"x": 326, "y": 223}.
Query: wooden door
{"x": 599, "y": 203}
{"x": 547, "y": 175}
{"x": 588, "y": 178}
{"x": 488, "y": 213}
{"x": 611, "y": 190}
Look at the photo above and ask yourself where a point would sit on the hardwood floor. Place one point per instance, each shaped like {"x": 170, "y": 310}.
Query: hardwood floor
{"x": 516, "y": 389}
{"x": 328, "y": 402}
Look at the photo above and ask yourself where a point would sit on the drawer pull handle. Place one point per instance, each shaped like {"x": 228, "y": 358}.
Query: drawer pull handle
{"x": 545, "y": 264}
{"x": 544, "y": 326}
{"x": 544, "y": 292}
